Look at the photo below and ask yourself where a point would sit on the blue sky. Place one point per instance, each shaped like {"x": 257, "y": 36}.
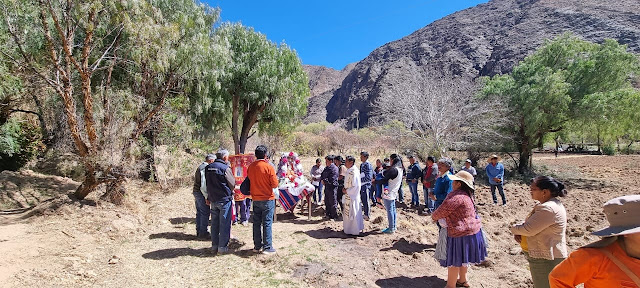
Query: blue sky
{"x": 336, "y": 33}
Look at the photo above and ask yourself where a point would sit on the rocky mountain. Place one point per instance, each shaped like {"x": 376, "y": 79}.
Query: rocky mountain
{"x": 484, "y": 40}
{"x": 323, "y": 82}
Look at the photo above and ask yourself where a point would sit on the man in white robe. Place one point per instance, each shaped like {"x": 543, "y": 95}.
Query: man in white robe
{"x": 353, "y": 222}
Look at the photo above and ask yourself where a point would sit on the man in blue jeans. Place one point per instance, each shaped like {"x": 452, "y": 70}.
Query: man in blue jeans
{"x": 495, "y": 173}
{"x": 413, "y": 174}
{"x": 366, "y": 175}
{"x": 203, "y": 211}
{"x": 262, "y": 177}
{"x": 220, "y": 186}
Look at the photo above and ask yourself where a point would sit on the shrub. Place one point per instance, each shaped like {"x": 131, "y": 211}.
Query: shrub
{"x": 19, "y": 142}
{"x": 608, "y": 150}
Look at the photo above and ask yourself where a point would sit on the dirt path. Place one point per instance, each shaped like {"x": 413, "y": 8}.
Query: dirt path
{"x": 150, "y": 241}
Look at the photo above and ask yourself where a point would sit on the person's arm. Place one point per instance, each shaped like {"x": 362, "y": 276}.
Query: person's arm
{"x": 581, "y": 265}
{"x": 541, "y": 218}
{"x": 488, "y": 170}
{"x": 416, "y": 172}
{"x": 231, "y": 180}
{"x": 475, "y": 173}
{"x": 388, "y": 175}
{"x": 273, "y": 179}
{"x": 500, "y": 172}
{"x": 447, "y": 207}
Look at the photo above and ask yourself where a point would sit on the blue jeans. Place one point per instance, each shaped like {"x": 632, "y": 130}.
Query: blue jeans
{"x": 243, "y": 210}
{"x": 317, "y": 195}
{"x": 390, "y": 205}
{"x": 413, "y": 188}
{"x": 428, "y": 202}
{"x": 202, "y": 214}
{"x": 262, "y": 222}
{"x": 364, "y": 198}
{"x": 493, "y": 194}
{"x": 220, "y": 225}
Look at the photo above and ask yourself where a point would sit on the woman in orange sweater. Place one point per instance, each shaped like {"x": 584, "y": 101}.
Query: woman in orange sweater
{"x": 613, "y": 261}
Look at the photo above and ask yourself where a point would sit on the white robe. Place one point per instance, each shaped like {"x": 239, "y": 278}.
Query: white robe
{"x": 353, "y": 222}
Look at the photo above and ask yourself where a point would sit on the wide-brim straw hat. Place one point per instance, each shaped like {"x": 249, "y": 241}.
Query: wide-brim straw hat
{"x": 465, "y": 177}
{"x": 623, "y": 214}
{"x": 493, "y": 156}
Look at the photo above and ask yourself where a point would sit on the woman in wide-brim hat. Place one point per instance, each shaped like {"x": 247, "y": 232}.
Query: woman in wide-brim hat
{"x": 613, "y": 261}
{"x": 465, "y": 244}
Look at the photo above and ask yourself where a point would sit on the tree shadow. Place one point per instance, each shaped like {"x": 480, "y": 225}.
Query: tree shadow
{"x": 182, "y": 220}
{"x": 177, "y": 252}
{"x": 406, "y": 282}
{"x": 177, "y": 236}
{"x": 407, "y": 248}
{"x": 328, "y": 233}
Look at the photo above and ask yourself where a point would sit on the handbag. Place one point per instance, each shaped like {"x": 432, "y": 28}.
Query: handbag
{"x": 245, "y": 186}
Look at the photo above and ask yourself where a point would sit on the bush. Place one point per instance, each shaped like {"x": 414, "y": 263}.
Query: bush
{"x": 19, "y": 142}
{"x": 608, "y": 150}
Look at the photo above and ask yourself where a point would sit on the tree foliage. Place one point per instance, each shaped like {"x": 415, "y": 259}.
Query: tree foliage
{"x": 263, "y": 84}
{"x": 566, "y": 81}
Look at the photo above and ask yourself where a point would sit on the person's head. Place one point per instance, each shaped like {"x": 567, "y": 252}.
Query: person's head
{"x": 210, "y": 158}
{"x": 412, "y": 159}
{"x": 261, "y": 152}
{"x": 386, "y": 165}
{"x": 467, "y": 163}
{"x": 623, "y": 215}
{"x": 444, "y": 164}
{"x": 223, "y": 154}
{"x": 393, "y": 156}
{"x": 544, "y": 188}
{"x": 462, "y": 181}
{"x": 350, "y": 161}
{"x": 431, "y": 160}
{"x": 328, "y": 160}
{"x": 494, "y": 159}
{"x": 387, "y": 161}
{"x": 364, "y": 155}
{"x": 337, "y": 160}
{"x": 378, "y": 163}
{"x": 318, "y": 161}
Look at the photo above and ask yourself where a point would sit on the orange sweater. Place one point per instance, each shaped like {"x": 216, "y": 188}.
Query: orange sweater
{"x": 594, "y": 269}
{"x": 263, "y": 179}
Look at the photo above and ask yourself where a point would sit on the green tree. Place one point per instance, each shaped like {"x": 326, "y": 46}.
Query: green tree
{"x": 114, "y": 64}
{"x": 263, "y": 84}
{"x": 560, "y": 83}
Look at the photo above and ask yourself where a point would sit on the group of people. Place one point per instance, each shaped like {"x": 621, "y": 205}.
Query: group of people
{"x": 213, "y": 190}
{"x": 350, "y": 190}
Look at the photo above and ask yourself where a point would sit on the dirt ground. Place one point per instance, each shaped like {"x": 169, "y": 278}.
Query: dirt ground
{"x": 150, "y": 241}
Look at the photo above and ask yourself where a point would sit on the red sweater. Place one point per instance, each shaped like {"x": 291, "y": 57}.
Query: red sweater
{"x": 263, "y": 179}
{"x": 459, "y": 213}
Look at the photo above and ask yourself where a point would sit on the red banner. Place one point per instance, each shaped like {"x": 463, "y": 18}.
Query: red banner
{"x": 239, "y": 165}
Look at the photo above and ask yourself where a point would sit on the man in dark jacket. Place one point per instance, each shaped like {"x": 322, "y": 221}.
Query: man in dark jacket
{"x": 366, "y": 176}
{"x": 329, "y": 178}
{"x": 413, "y": 175}
{"x": 200, "y": 193}
{"x": 220, "y": 186}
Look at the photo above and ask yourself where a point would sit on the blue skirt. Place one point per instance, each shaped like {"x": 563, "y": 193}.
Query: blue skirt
{"x": 465, "y": 250}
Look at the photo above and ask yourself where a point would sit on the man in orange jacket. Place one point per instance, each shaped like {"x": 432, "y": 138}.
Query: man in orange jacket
{"x": 262, "y": 179}
{"x": 613, "y": 261}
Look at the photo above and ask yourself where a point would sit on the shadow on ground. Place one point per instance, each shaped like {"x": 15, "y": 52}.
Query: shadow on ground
{"x": 408, "y": 248}
{"x": 406, "y": 282}
{"x": 177, "y": 252}
{"x": 182, "y": 220}
{"x": 177, "y": 236}
{"x": 328, "y": 233}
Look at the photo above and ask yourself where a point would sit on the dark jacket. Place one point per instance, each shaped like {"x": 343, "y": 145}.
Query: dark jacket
{"x": 220, "y": 181}
{"x": 197, "y": 178}
{"x": 330, "y": 175}
{"x": 415, "y": 172}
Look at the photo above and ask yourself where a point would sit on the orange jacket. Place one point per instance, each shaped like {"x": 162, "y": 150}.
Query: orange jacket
{"x": 263, "y": 179}
{"x": 594, "y": 269}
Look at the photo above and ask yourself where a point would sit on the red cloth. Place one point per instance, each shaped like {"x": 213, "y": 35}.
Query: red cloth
{"x": 263, "y": 180}
{"x": 459, "y": 213}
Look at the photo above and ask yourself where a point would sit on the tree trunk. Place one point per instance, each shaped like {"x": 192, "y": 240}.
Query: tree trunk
{"x": 524, "y": 150}
{"x": 147, "y": 173}
{"x": 89, "y": 184}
